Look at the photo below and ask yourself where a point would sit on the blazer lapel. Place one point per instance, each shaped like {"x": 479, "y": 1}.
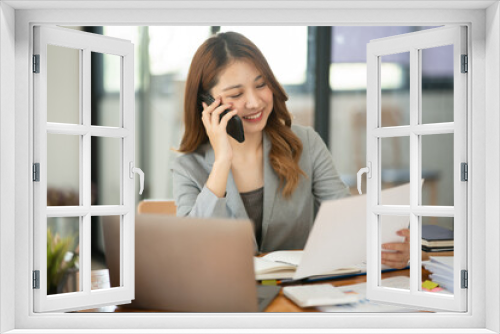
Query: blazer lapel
{"x": 271, "y": 183}
{"x": 234, "y": 201}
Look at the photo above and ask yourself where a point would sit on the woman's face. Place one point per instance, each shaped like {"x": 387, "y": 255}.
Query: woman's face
{"x": 241, "y": 84}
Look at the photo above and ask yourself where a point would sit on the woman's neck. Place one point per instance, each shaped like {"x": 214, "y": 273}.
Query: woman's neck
{"x": 251, "y": 145}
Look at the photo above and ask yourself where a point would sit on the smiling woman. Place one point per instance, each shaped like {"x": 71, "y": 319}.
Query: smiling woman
{"x": 276, "y": 176}
{"x": 229, "y": 66}
{"x": 269, "y": 162}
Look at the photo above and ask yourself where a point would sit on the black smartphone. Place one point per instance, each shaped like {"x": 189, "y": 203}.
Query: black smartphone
{"x": 234, "y": 126}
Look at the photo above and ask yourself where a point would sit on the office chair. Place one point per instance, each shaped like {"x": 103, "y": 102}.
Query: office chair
{"x": 157, "y": 206}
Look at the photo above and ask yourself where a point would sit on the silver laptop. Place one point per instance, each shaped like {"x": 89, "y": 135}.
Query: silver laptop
{"x": 188, "y": 264}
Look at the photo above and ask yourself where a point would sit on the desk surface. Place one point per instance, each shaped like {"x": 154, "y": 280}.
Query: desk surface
{"x": 283, "y": 304}
{"x": 280, "y": 303}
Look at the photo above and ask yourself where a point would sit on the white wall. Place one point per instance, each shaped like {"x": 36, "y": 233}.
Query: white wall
{"x": 7, "y": 160}
{"x": 492, "y": 163}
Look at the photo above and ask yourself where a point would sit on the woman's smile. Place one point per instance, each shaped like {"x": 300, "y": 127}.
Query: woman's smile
{"x": 255, "y": 117}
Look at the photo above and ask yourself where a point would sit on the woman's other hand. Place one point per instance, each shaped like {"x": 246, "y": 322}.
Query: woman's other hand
{"x": 216, "y": 130}
{"x": 400, "y": 251}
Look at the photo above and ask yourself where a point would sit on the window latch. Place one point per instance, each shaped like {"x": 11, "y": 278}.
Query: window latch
{"x": 133, "y": 170}
{"x": 368, "y": 171}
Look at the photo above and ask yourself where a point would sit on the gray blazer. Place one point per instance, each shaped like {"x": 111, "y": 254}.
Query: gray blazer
{"x": 286, "y": 222}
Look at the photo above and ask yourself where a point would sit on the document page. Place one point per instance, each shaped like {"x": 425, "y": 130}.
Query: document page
{"x": 338, "y": 237}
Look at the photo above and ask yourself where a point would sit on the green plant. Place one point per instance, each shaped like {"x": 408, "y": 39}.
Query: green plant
{"x": 57, "y": 266}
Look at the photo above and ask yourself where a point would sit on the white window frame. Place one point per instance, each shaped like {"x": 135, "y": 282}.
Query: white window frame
{"x": 483, "y": 123}
{"x": 414, "y": 44}
{"x": 85, "y": 43}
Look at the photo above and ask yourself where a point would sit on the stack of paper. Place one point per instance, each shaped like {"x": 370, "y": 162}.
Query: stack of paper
{"x": 436, "y": 238}
{"x": 441, "y": 268}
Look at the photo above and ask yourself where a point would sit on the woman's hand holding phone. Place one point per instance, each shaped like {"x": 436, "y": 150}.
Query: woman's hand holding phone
{"x": 216, "y": 129}
{"x": 219, "y": 139}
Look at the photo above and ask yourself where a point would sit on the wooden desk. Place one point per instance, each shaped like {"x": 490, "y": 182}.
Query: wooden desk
{"x": 283, "y": 304}
{"x": 280, "y": 303}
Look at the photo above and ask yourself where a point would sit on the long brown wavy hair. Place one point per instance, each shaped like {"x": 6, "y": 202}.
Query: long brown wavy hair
{"x": 211, "y": 58}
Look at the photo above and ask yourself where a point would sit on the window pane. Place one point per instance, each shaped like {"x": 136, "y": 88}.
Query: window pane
{"x": 437, "y": 170}
{"x": 63, "y": 170}
{"x": 437, "y": 84}
{"x": 63, "y": 239}
{"x": 285, "y": 49}
{"x": 63, "y": 84}
{"x": 395, "y": 84}
{"x": 348, "y": 100}
{"x": 288, "y": 60}
{"x": 108, "y": 109}
{"x": 107, "y": 180}
{"x": 105, "y": 263}
{"x": 395, "y": 165}
{"x": 171, "y": 49}
{"x": 437, "y": 255}
{"x": 388, "y": 226}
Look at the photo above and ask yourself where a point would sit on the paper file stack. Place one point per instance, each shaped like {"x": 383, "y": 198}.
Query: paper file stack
{"x": 436, "y": 238}
{"x": 441, "y": 268}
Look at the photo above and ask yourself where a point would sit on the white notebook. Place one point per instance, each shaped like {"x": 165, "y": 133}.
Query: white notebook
{"x": 318, "y": 295}
{"x": 283, "y": 264}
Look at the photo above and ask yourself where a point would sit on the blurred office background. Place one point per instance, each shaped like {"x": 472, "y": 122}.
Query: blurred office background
{"x": 323, "y": 70}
